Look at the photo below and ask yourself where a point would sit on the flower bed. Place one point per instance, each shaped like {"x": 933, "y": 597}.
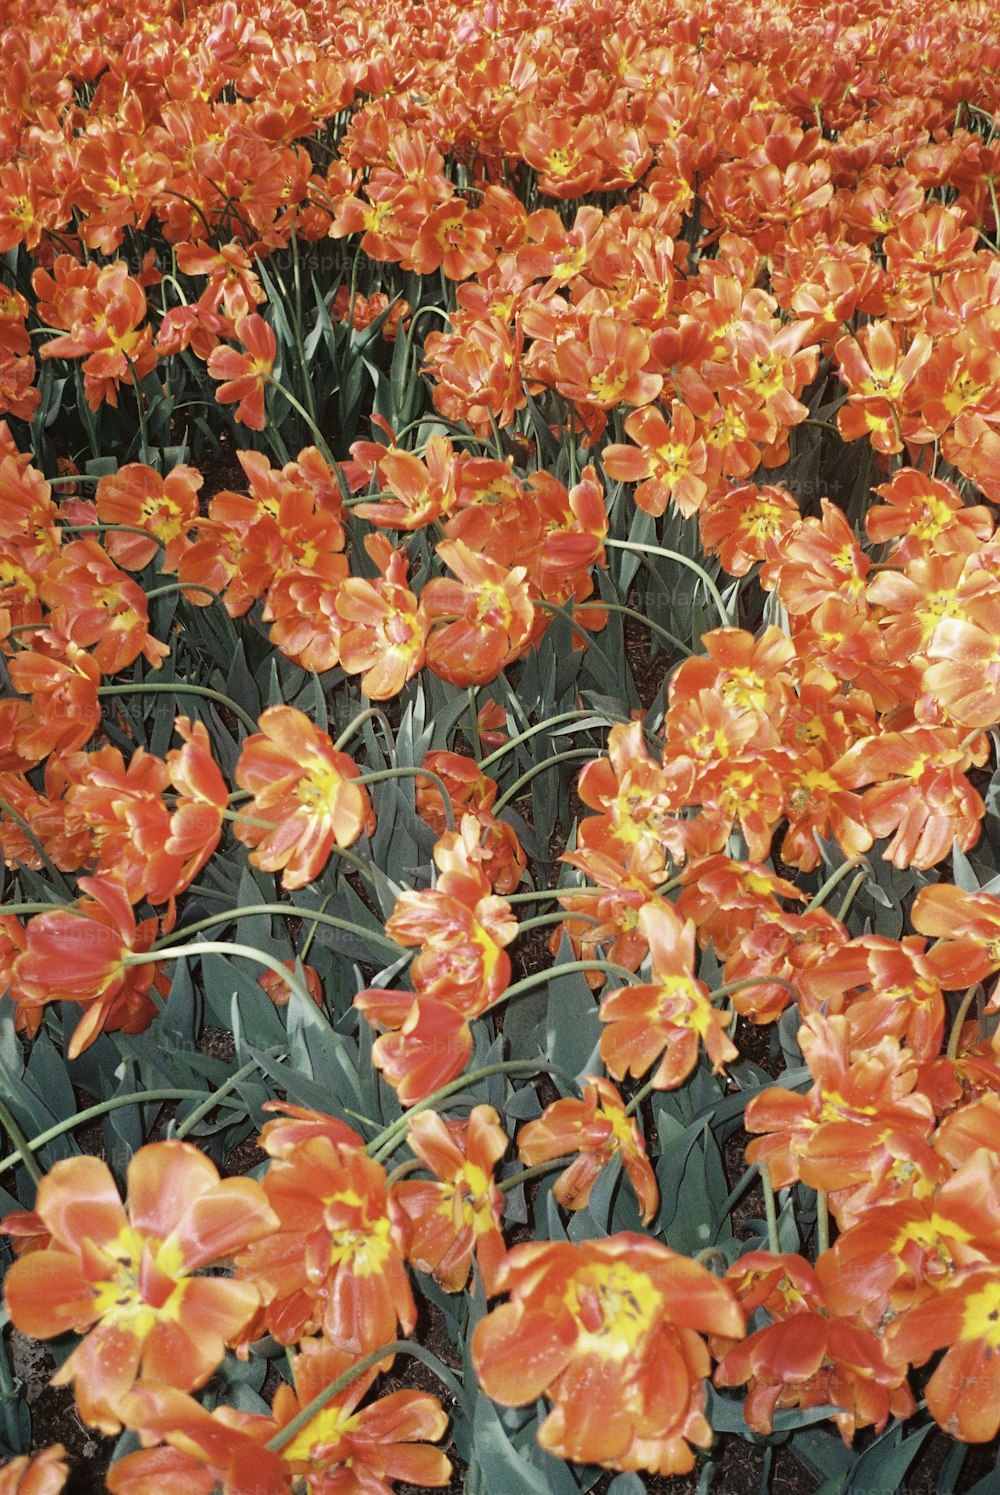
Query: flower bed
{"x": 500, "y": 598}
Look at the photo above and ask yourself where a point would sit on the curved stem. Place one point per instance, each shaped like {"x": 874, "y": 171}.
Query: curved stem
{"x": 374, "y": 1357}
{"x": 211, "y": 1101}
{"x": 92, "y": 1113}
{"x": 288, "y": 911}
{"x": 218, "y": 947}
{"x": 370, "y": 713}
{"x": 391, "y": 1136}
{"x": 382, "y": 774}
{"x": 20, "y": 1144}
{"x": 300, "y": 409}
{"x": 639, "y": 1097}
{"x": 731, "y": 986}
{"x": 955, "y": 1035}
{"x": 120, "y": 529}
{"x": 184, "y": 586}
{"x": 629, "y": 612}
{"x": 859, "y": 880}
{"x": 537, "y": 1170}
{"x": 541, "y": 921}
{"x": 684, "y": 560}
{"x": 512, "y": 792}
{"x": 552, "y": 721}
{"x": 835, "y": 878}
{"x": 180, "y": 689}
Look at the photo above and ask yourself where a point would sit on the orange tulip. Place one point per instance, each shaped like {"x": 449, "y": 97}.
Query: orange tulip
{"x": 128, "y": 1277}
{"x": 459, "y": 1215}
{"x": 304, "y": 795}
{"x": 44, "y": 1473}
{"x": 597, "y": 1128}
{"x": 608, "y": 1331}
{"x": 81, "y": 956}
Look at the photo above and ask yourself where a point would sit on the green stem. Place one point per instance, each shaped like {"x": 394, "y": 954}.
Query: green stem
{"x": 92, "y": 1113}
{"x": 184, "y": 586}
{"x": 629, "y": 612}
{"x": 115, "y": 529}
{"x": 955, "y": 1035}
{"x": 477, "y": 741}
{"x": 639, "y": 1097}
{"x": 374, "y": 1357}
{"x": 860, "y": 879}
{"x": 822, "y": 1223}
{"x": 770, "y": 1213}
{"x": 382, "y": 774}
{"x": 552, "y": 721}
{"x": 391, "y": 1136}
{"x": 684, "y": 560}
{"x": 9, "y": 1398}
{"x": 217, "y": 947}
{"x": 555, "y": 973}
{"x": 541, "y": 921}
{"x": 288, "y": 911}
{"x": 180, "y": 689}
{"x": 370, "y": 713}
{"x": 537, "y": 1170}
{"x": 210, "y": 1102}
{"x": 317, "y": 434}
{"x": 833, "y": 881}
{"x": 731, "y": 986}
{"x": 19, "y": 1142}
{"x": 571, "y": 754}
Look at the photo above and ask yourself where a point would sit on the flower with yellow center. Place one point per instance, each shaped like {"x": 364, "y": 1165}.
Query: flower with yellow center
{"x": 609, "y": 1331}
{"x": 129, "y": 1278}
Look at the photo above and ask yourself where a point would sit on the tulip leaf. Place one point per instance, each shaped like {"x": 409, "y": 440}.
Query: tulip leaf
{"x": 881, "y": 1467}
{"x": 501, "y": 1466}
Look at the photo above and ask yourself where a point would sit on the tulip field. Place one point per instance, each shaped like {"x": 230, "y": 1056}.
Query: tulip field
{"x": 500, "y": 747}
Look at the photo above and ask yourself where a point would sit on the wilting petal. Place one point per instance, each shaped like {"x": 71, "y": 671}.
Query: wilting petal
{"x": 164, "y": 1180}
{"x": 78, "y": 1197}
{"x": 518, "y": 1353}
{"x": 216, "y": 1226}
{"x": 47, "y": 1294}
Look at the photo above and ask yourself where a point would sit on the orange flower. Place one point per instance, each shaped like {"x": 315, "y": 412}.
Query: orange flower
{"x": 833, "y": 1136}
{"x": 43, "y": 1473}
{"x": 963, "y": 1394}
{"x": 336, "y": 1260}
{"x": 480, "y": 623}
{"x": 246, "y": 375}
{"x": 668, "y": 461}
{"x": 94, "y": 603}
{"x": 102, "y": 310}
{"x": 668, "y": 1019}
{"x": 383, "y": 626}
{"x": 967, "y": 929}
{"x": 608, "y": 1331}
{"x": 460, "y": 1214}
{"x": 809, "y": 1357}
{"x": 597, "y": 1128}
{"x": 81, "y": 955}
{"x": 461, "y": 969}
{"x": 166, "y": 507}
{"x": 128, "y": 1277}
{"x": 343, "y": 1449}
{"x": 305, "y": 794}
{"x": 62, "y": 681}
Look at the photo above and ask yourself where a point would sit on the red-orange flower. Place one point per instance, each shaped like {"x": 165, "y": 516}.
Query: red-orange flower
{"x": 43, "y": 1473}
{"x": 963, "y": 1394}
{"x": 608, "y": 1330}
{"x": 336, "y": 1260}
{"x": 304, "y": 795}
{"x": 597, "y": 1128}
{"x": 128, "y": 1277}
{"x": 245, "y": 375}
{"x": 480, "y": 623}
{"x": 81, "y": 955}
{"x": 669, "y": 1018}
{"x": 459, "y": 1215}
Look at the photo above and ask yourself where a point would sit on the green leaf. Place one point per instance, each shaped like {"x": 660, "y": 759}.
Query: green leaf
{"x": 881, "y": 1467}
{"x": 503, "y": 1468}
{"x": 626, "y": 1484}
{"x": 573, "y": 1026}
